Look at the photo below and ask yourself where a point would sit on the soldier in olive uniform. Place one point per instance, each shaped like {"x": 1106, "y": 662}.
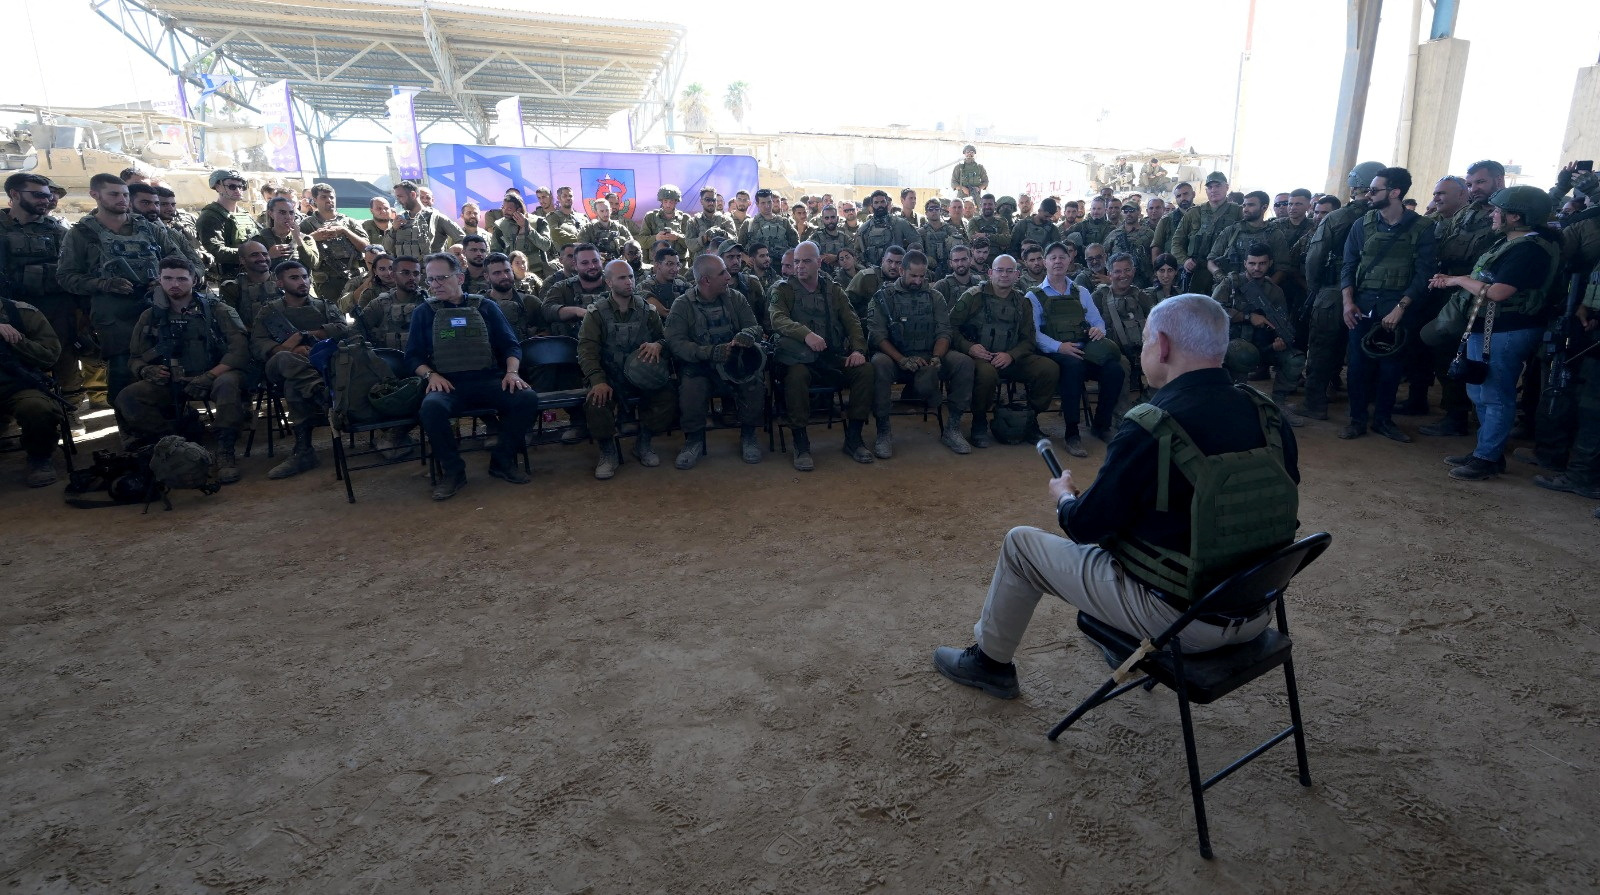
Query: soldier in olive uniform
{"x": 518, "y": 231}
{"x": 768, "y": 228}
{"x": 284, "y": 239}
{"x": 605, "y": 234}
{"x": 339, "y": 243}
{"x": 474, "y": 251}
{"x": 704, "y": 326}
{"x": 709, "y": 218}
{"x": 385, "y": 320}
{"x": 1167, "y": 228}
{"x": 882, "y": 230}
{"x": 144, "y": 202}
{"x": 665, "y": 220}
{"x": 187, "y": 347}
{"x": 1261, "y": 329}
{"x": 1198, "y": 231}
{"x": 28, "y": 344}
{"x": 255, "y": 285}
{"x": 523, "y": 315}
{"x": 937, "y": 237}
{"x": 968, "y": 178}
{"x": 378, "y": 279}
{"x": 1228, "y": 250}
{"x": 909, "y": 328}
{"x": 566, "y": 220}
{"x": 664, "y": 283}
{"x": 867, "y": 283}
{"x": 831, "y": 238}
{"x": 993, "y": 325}
{"x": 30, "y": 247}
{"x": 110, "y": 257}
{"x": 1097, "y": 226}
{"x": 375, "y": 227}
{"x": 281, "y": 340}
{"x": 743, "y": 282}
{"x": 819, "y": 340}
{"x": 565, "y": 305}
{"x": 1037, "y": 228}
{"x": 413, "y": 230}
{"x": 224, "y": 225}
{"x": 990, "y": 224}
{"x": 1124, "y": 307}
{"x": 186, "y": 225}
{"x": 621, "y": 328}
{"x": 1133, "y": 238}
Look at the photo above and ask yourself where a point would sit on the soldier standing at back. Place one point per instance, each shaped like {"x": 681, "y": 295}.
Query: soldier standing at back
{"x": 411, "y": 228}
{"x": 909, "y": 326}
{"x": 623, "y": 334}
{"x": 110, "y": 257}
{"x": 375, "y": 227}
{"x": 1228, "y": 250}
{"x": 284, "y": 239}
{"x": 193, "y": 345}
{"x": 30, "y": 247}
{"x": 1198, "y": 230}
{"x": 1133, "y": 238}
{"x": 605, "y": 234}
{"x": 145, "y": 203}
{"x": 666, "y": 220}
{"x": 224, "y": 225}
{"x": 339, "y": 244}
{"x": 937, "y": 238}
{"x": 1327, "y": 339}
{"x": 819, "y": 340}
{"x": 1096, "y": 227}
{"x": 518, "y": 231}
{"x": 768, "y": 228}
{"x": 882, "y": 230}
{"x": 1388, "y": 259}
{"x": 1167, "y": 227}
{"x": 1296, "y": 227}
{"x": 968, "y": 178}
{"x": 831, "y": 238}
{"x": 183, "y": 223}
{"x": 281, "y": 340}
{"x": 709, "y": 218}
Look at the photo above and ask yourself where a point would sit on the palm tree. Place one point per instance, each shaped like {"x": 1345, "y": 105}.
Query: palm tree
{"x": 737, "y": 100}
{"x": 696, "y": 114}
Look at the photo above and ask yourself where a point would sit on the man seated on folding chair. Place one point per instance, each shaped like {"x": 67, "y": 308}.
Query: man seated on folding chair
{"x": 820, "y": 341}
{"x": 621, "y": 354}
{"x": 704, "y": 328}
{"x": 468, "y": 358}
{"x": 1126, "y": 560}
{"x": 909, "y": 325}
{"x": 29, "y": 347}
{"x": 281, "y": 338}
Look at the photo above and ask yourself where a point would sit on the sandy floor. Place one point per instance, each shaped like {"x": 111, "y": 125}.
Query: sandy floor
{"x": 719, "y": 681}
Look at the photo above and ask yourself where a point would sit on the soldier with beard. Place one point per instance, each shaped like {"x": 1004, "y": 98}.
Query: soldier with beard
{"x": 1097, "y": 226}
{"x": 744, "y": 282}
{"x": 867, "y": 283}
{"x": 909, "y": 326}
{"x": 665, "y": 283}
{"x": 963, "y": 276}
{"x": 385, "y": 320}
{"x": 31, "y": 241}
{"x": 248, "y": 292}
{"x": 339, "y": 243}
{"x": 145, "y": 203}
{"x": 181, "y": 222}
{"x": 623, "y": 330}
{"x": 526, "y": 318}
{"x": 474, "y": 249}
{"x": 709, "y": 218}
{"x": 831, "y": 238}
{"x": 1036, "y": 228}
{"x": 565, "y": 305}
{"x": 1183, "y": 200}
{"x": 284, "y": 239}
{"x": 883, "y": 230}
{"x": 1228, "y": 250}
{"x": 281, "y": 340}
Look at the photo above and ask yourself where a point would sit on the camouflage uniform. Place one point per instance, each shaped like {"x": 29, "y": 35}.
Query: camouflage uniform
{"x": 601, "y": 359}
{"x": 303, "y": 387}
{"x": 145, "y": 406}
{"x": 830, "y": 242}
{"x": 951, "y": 289}
{"x": 980, "y": 310}
{"x": 570, "y": 293}
{"x": 776, "y": 233}
{"x": 38, "y": 415}
{"x": 1228, "y": 250}
{"x": 1326, "y": 336}
{"x": 1093, "y": 230}
{"x": 338, "y": 260}
{"x": 877, "y": 234}
{"x": 657, "y": 221}
{"x": 247, "y": 298}
{"x": 607, "y": 236}
{"x": 305, "y": 248}
{"x": 1250, "y": 345}
{"x": 1166, "y": 228}
{"x": 1136, "y": 243}
{"x": 936, "y": 242}
{"x": 29, "y": 253}
{"x": 696, "y": 228}
{"x": 993, "y": 226}
{"x": 1195, "y": 235}
{"x": 534, "y": 241}
{"x": 968, "y": 179}
{"x": 222, "y": 232}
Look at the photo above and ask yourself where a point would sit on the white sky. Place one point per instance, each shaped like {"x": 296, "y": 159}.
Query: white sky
{"x": 1142, "y": 74}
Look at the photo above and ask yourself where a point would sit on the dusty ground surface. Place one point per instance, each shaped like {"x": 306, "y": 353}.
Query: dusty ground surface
{"x": 719, "y": 681}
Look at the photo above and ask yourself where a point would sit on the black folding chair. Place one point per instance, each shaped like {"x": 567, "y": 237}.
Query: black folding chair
{"x": 342, "y": 455}
{"x": 1203, "y": 678}
{"x": 548, "y": 359}
{"x": 268, "y": 398}
{"x": 777, "y": 408}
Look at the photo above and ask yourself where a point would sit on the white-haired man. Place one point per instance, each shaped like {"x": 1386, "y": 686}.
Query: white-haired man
{"x": 1127, "y": 558}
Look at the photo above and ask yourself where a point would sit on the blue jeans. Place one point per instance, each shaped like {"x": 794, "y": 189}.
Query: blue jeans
{"x": 1496, "y": 399}
{"x": 1371, "y": 381}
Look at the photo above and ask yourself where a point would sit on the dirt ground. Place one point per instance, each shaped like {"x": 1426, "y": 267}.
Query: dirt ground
{"x": 720, "y": 681}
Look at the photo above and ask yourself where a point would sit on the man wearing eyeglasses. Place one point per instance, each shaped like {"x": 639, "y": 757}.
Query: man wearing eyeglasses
{"x": 467, "y": 356}
{"x": 224, "y": 226}
{"x": 30, "y": 245}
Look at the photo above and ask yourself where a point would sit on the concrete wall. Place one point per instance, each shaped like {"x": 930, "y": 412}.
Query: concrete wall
{"x": 1441, "y": 67}
{"x": 1582, "y": 140}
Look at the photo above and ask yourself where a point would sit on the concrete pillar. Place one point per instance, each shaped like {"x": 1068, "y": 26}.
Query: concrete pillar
{"x": 1582, "y": 140}
{"x": 1441, "y": 67}
{"x": 1361, "y": 38}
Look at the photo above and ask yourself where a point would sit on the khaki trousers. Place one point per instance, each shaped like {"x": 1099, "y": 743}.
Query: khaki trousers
{"x": 1034, "y": 562}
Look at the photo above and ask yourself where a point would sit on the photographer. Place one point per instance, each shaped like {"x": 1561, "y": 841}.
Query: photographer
{"x": 1127, "y": 536}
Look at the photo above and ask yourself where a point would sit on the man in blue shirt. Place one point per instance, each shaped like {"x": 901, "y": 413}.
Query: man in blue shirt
{"x": 1069, "y": 330}
{"x": 468, "y": 358}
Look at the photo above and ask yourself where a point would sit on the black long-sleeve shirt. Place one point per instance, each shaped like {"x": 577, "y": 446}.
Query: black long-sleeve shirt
{"x": 1218, "y": 417}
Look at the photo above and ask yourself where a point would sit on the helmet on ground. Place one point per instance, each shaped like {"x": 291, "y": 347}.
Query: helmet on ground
{"x": 643, "y": 375}
{"x": 1360, "y": 177}
{"x": 1241, "y": 358}
{"x": 1529, "y": 201}
{"x": 1381, "y": 341}
{"x": 396, "y": 399}
{"x": 1011, "y": 422}
{"x": 179, "y": 463}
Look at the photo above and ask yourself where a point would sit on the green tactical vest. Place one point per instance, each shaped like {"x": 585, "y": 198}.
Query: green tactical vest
{"x": 31, "y": 253}
{"x": 516, "y": 313}
{"x": 763, "y": 232}
{"x": 1094, "y": 231}
{"x": 1591, "y": 292}
{"x": 936, "y": 245}
{"x": 395, "y": 323}
{"x": 622, "y": 337}
{"x": 1470, "y": 234}
{"x": 1388, "y": 259}
{"x": 970, "y": 174}
{"x": 460, "y": 337}
{"x": 1125, "y": 316}
{"x": 992, "y": 225}
{"x": 140, "y": 251}
{"x": 714, "y": 324}
{"x": 1212, "y": 220}
{"x": 411, "y": 241}
{"x": 998, "y": 323}
{"x": 248, "y": 298}
{"x": 814, "y": 311}
{"x": 1325, "y": 252}
{"x": 197, "y": 344}
{"x": 609, "y": 238}
{"x": 1065, "y": 318}
{"x": 575, "y": 298}
{"x": 1533, "y": 302}
{"x": 1246, "y": 500}
{"x": 912, "y": 326}
{"x": 875, "y": 238}
{"x": 831, "y": 243}
{"x": 333, "y": 255}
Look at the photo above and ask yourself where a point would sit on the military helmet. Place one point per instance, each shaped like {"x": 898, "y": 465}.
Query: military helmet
{"x": 396, "y": 399}
{"x": 1006, "y": 200}
{"x": 668, "y": 191}
{"x": 1102, "y": 351}
{"x": 1381, "y": 341}
{"x": 1529, "y": 201}
{"x": 1241, "y": 359}
{"x": 1360, "y": 177}
{"x": 1011, "y": 422}
{"x": 222, "y": 174}
{"x": 643, "y": 375}
{"x": 180, "y": 463}
{"x": 743, "y": 364}
{"x": 968, "y": 148}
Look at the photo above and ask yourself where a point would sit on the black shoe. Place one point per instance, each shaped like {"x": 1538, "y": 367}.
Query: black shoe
{"x": 511, "y": 472}
{"x": 1389, "y": 430}
{"x": 449, "y": 485}
{"x": 1102, "y": 434}
{"x": 1413, "y": 408}
{"x": 1560, "y": 482}
{"x": 1455, "y": 460}
{"x": 1476, "y": 470}
{"x": 1448, "y": 426}
{"x": 1531, "y": 457}
{"x": 1354, "y": 430}
{"x": 1075, "y": 446}
{"x": 971, "y": 668}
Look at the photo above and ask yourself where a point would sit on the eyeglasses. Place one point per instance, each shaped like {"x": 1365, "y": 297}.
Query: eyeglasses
{"x": 42, "y": 195}
{"x": 233, "y": 186}
{"x": 1279, "y": 204}
{"x": 444, "y": 279}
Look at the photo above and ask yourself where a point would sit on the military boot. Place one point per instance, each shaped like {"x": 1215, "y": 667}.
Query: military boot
{"x": 802, "y": 450}
{"x": 227, "y": 462}
{"x": 1310, "y": 409}
{"x": 610, "y": 459}
{"x": 1289, "y": 416}
{"x": 41, "y": 472}
{"x": 980, "y": 431}
{"x": 883, "y": 445}
{"x": 951, "y": 436}
{"x": 694, "y": 447}
{"x": 749, "y": 448}
{"x": 301, "y": 458}
{"x": 643, "y": 452}
{"x": 854, "y": 446}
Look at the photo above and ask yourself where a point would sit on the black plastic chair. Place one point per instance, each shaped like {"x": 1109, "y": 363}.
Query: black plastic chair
{"x": 1203, "y": 678}
{"x": 343, "y": 454}
{"x": 547, "y": 358}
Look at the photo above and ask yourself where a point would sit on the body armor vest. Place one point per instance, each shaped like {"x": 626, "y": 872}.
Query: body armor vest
{"x": 31, "y": 253}
{"x": 1125, "y": 316}
{"x": 1388, "y": 259}
{"x": 997, "y": 325}
{"x": 1325, "y": 252}
{"x": 714, "y": 324}
{"x": 334, "y": 254}
{"x": 991, "y": 224}
{"x": 460, "y": 337}
{"x": 609, "y": 238}
{"x": 769, "y": 233}
{"x": 875, "y": 238}
{"x": 248, "y": 298}
{"x": 1532, "y": 302}
{"x": 936, "y": 244}
{"x": 516, "y": 313}
{"x": 1065, "y": 318}
{"x": 814, "y": 311}
{"x": 194, "y": 343}
{"x": 912, "y": 327}
{"x": 623, "y": 337}
{"x": 395, "y": 321}
{"x": 1248, "y": 500}
{"x": 138, "y": 252}
{"x": 969, "y": 174}
{"x": 413, "y": 240}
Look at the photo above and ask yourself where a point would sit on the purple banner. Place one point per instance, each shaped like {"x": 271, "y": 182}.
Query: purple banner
{"x": 403, "y": 134}
{"x": 458, "y": 172}
{"x": 277, "y": 117}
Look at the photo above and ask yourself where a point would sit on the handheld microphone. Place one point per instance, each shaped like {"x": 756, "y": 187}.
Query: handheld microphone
{"x": 1049, "y": 455}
